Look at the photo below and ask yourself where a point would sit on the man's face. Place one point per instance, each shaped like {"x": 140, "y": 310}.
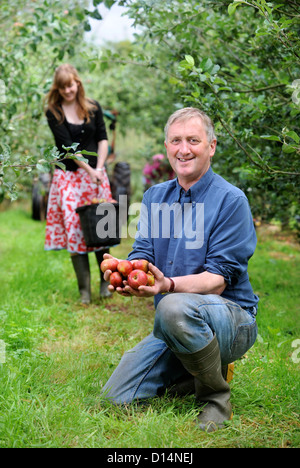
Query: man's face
{"x": 189, "y": 151}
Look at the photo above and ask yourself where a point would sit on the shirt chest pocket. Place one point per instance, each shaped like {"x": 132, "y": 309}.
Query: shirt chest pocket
{"x": 194, "y": 258}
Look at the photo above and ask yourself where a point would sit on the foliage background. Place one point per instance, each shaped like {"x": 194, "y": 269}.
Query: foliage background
{"x": 239, "y": 61}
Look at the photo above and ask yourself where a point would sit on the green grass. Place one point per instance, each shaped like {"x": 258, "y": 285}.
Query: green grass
{"x": 58, "y": 355}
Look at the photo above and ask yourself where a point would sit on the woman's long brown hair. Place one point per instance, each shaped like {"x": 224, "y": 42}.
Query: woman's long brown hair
{"x": 63, "y": 76}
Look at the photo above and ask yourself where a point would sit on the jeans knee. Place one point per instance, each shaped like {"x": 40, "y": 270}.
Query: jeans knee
{"x": 169, "y": 318}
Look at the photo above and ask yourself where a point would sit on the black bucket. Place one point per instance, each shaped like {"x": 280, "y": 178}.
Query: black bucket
{"x": 100, "y": 224}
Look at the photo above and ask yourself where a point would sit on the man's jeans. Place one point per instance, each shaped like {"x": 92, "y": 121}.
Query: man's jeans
{"x": 184, "y": 323}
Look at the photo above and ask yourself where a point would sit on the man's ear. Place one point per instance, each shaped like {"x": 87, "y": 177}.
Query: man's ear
{"x": 213, "y": 145}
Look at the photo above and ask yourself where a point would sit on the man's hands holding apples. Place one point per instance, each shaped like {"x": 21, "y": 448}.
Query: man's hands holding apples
{"x": 136, "y": 278}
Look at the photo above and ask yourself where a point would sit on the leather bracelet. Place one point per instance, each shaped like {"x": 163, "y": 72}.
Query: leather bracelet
{"x": 172, "y": 287}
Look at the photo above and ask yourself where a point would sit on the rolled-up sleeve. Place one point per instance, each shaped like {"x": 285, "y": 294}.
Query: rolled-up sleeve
{"x": 232, "y": 241}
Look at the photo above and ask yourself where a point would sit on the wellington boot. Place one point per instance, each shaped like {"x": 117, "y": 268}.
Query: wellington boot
{"x": 210, "y": 386}
{"x": 82, "y": 269}
{"x": 104, "y": 292}
{"x": 186, "y": 385}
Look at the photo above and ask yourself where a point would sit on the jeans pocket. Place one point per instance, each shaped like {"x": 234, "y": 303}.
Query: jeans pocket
{"x": 244, "y": 339}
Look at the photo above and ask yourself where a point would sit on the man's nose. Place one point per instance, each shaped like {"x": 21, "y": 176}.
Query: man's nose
{"x": 184, "y": 147}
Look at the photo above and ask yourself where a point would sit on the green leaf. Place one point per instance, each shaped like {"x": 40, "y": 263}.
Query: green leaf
{"x": 91, "y": 153}
{"x": 208, "y": 64}
{"x": 77, "y": 157}
{"x": 293, "y": 135}
{"x": 288, "y": 148}
{"x": 232, "y": 7}
{"x": 73, "y": 147}
{"x": 271, "y": 137}
{"x": 45, "y": 167}
{"x": 61, "y": 165}
{"x": 190, "y": 60}
{"x": 95, "y": 14}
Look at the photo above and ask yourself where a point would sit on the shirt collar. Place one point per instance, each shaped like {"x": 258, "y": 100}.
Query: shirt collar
{"x": 196, "y": 190}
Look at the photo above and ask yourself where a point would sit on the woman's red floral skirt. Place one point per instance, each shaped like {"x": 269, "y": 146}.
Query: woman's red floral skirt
{"x": 68, "y": 191}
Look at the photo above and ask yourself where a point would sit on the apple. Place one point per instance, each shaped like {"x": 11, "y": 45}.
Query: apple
{"x": 109, "y": 264}
{"x": 151, "y": 279}
{"x": 125, "y": 267}
{"x": 137, "y": 278}
{"x": 116, "y": 280}
{"x": 140, "y": 265}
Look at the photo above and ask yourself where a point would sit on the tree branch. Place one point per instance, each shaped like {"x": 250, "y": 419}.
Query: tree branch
{"x": 263, "y": 166}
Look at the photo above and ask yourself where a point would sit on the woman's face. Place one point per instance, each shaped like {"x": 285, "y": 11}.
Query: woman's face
{"x": 69, "y": 91}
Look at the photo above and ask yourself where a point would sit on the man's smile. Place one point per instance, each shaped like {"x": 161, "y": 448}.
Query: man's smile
{"x": 185, "y": 159}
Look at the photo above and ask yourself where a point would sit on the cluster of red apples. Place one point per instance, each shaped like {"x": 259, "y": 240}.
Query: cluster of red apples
{"x": 135, "y": 272}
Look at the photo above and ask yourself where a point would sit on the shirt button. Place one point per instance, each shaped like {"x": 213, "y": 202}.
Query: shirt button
{"x": 171, "y": 262}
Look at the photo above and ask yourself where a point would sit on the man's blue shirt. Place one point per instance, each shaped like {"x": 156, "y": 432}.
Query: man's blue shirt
{"x": 208, "y": 228}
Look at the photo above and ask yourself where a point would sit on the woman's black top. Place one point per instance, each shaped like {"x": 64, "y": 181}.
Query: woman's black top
{"x": 87, "y": 135}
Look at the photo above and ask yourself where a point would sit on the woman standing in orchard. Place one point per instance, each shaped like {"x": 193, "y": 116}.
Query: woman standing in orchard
{"x": 73, "y": 118}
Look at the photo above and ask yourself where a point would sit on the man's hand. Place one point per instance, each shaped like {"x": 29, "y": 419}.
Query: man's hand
{"x": 162, "y": 284}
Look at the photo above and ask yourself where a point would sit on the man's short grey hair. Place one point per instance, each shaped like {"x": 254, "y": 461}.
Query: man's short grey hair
{"x": 188, "y": 113}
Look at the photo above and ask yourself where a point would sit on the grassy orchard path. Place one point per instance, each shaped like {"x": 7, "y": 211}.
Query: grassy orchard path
{"x": 57, "y": 354}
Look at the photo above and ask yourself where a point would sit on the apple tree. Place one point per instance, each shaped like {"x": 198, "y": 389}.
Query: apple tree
{"x": 36, "y": 36}
{"x": 239, "y": 61}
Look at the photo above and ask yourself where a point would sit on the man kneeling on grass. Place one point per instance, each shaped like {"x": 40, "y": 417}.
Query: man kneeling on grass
{"x": 197, "y": 233}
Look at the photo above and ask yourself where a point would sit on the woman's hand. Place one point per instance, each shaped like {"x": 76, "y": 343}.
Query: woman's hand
{"x": 97, "y": 176}
{"x": 162, "y": 284}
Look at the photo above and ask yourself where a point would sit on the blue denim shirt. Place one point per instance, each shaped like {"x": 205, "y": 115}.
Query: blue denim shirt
{"x": 208, "y": 228}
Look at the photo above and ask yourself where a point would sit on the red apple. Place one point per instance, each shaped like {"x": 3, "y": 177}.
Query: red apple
{"x": 137, "y": 278}
{"x": 124, "y": 267}
{"x": 109, "y": 264}
{"x": 140, "y": 265}
{"x": 151, "y": 279}
{"x": 116, "y": 280}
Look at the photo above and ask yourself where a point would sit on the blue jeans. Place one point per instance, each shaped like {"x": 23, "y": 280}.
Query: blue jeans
{"x": 184, "y": 323}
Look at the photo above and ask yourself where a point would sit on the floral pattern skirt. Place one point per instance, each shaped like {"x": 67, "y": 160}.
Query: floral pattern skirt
{"x": 68, "y": 191}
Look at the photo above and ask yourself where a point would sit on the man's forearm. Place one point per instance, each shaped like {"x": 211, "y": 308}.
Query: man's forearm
{"x": 202, "y": 283}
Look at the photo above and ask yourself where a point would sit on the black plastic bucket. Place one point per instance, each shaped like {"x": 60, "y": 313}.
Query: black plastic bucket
{"x": 100, "y": 224}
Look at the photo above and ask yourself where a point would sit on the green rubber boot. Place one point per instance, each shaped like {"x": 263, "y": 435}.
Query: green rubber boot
{"x": 211, "y": 388}
{"x": 82, "y": 269}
